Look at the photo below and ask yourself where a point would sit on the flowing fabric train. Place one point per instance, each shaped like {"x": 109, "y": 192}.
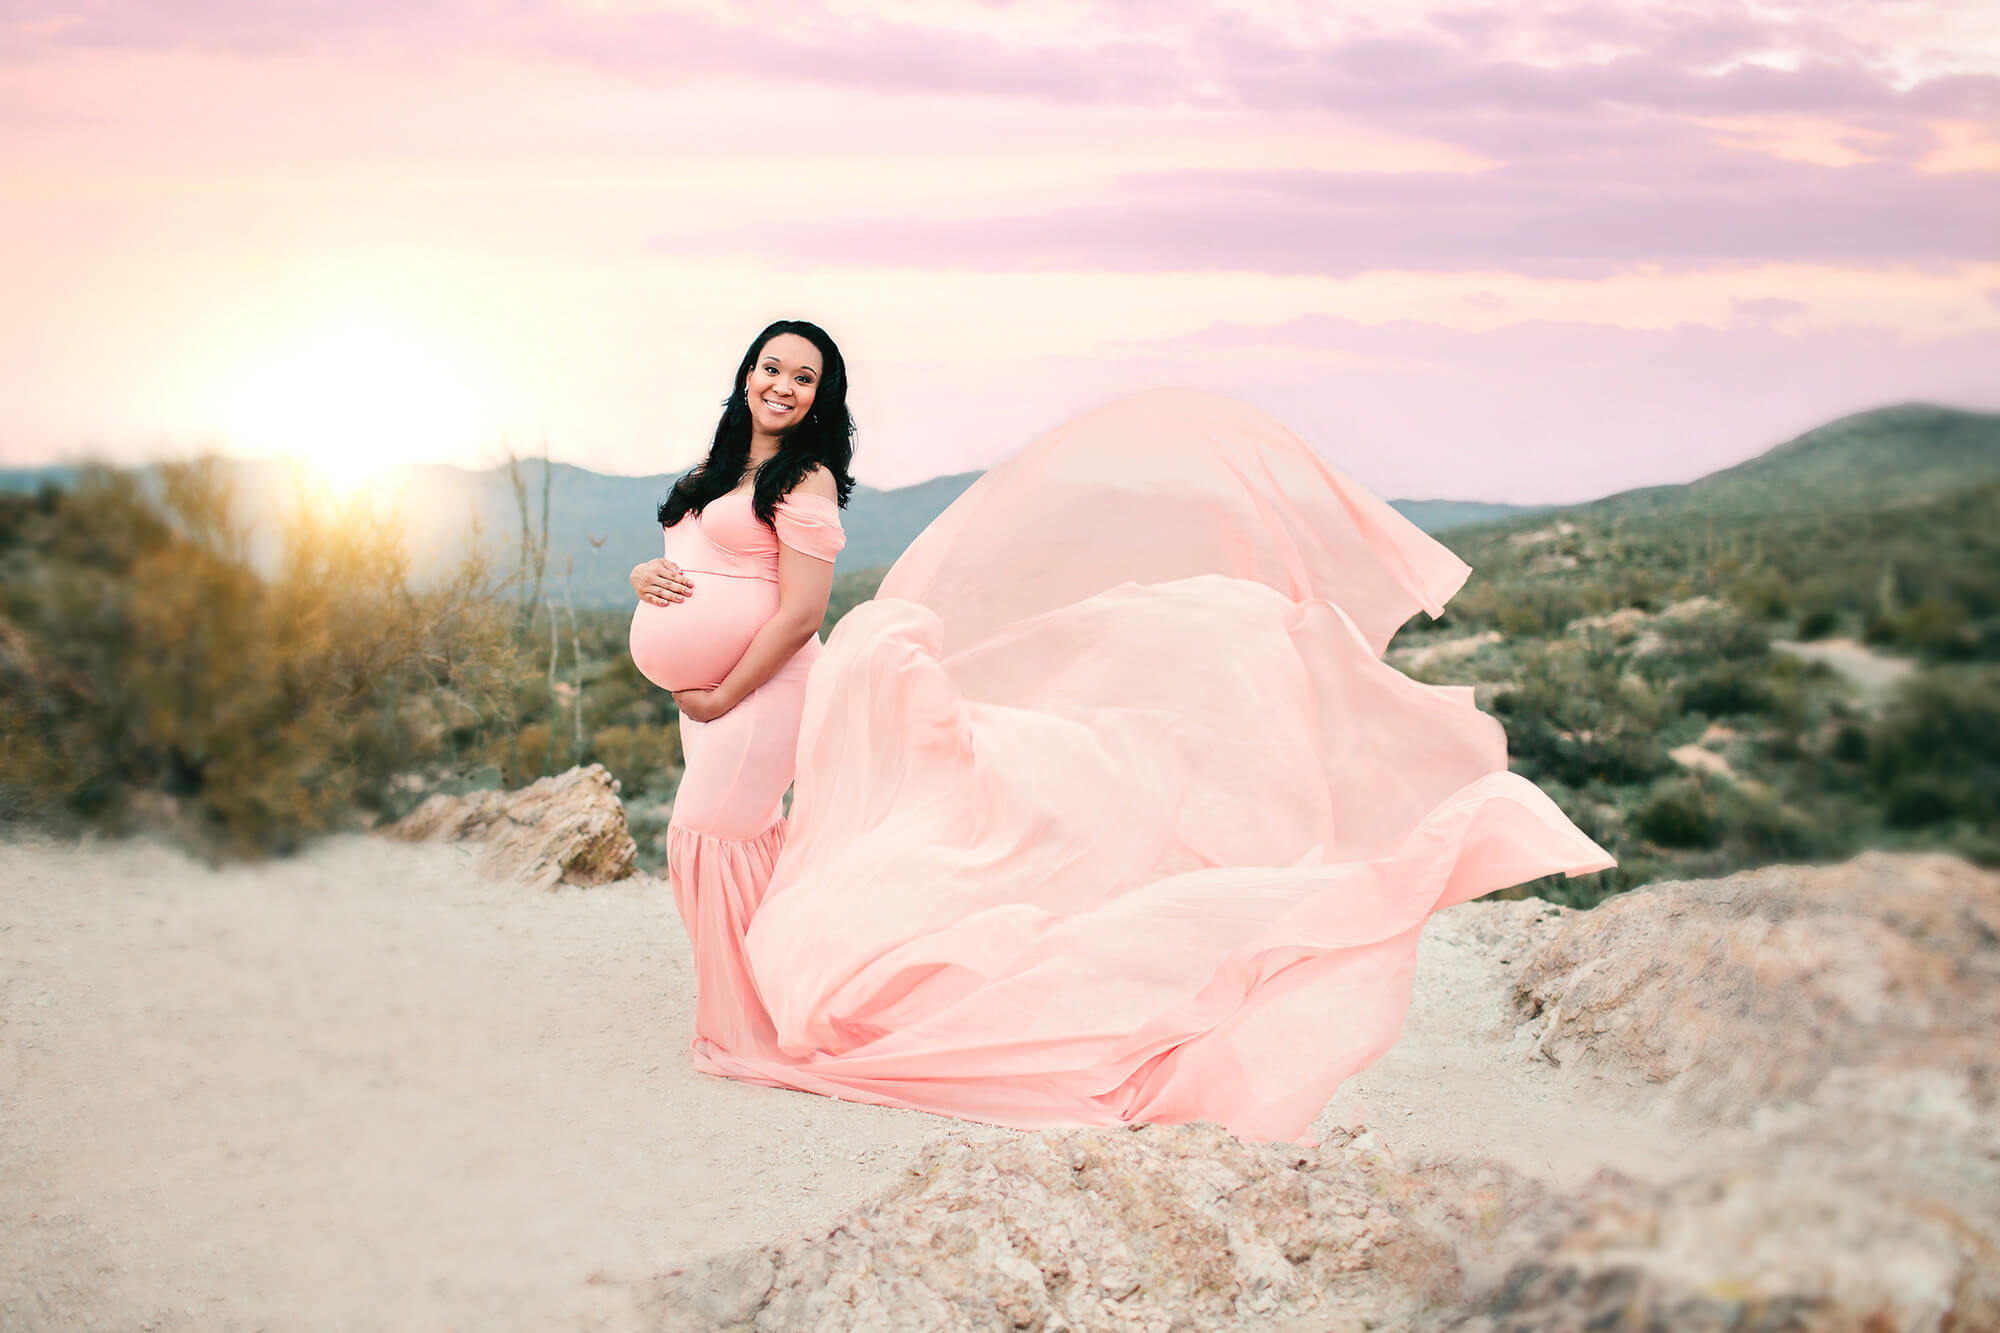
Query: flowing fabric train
{"x": 1108, "y": 808}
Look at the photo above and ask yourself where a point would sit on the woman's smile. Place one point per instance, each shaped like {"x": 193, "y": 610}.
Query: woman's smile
{"x": 782, "y": 383}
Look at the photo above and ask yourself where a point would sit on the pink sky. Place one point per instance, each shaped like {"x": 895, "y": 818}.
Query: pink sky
{"x": 1530, "y": 252}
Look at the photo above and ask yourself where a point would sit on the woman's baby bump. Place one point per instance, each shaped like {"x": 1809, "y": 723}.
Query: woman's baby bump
{"x": 692, "y": 644}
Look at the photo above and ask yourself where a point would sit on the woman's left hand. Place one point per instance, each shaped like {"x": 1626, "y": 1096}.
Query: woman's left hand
{"x": 701, "y": 705}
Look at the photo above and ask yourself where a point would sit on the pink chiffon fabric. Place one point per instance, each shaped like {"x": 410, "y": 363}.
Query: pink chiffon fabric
{"x": 1107, "y": 808}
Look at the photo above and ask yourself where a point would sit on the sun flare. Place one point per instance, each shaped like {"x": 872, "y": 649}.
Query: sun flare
{"x": 352, "y": 401}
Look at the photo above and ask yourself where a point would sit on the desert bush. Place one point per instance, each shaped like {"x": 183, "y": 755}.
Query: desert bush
{"x": 530, "y": 755}
{"x": 643, "y": 759}
{"x": 1677, "y": 813}
{"x": 1717, "y": 636}
{"x": 1723, "y": 690}
{"x": 1576, "y": 719}
{"x": 535, "y": 750}
{"x": 1938, "y": 627}
{"x": 1935, "y": 751}
{"x": 1763, "y": 593}
{"x": 146, "y": 657}
{"x": 1758, "y": 827}
{"x": 623, "y": 697}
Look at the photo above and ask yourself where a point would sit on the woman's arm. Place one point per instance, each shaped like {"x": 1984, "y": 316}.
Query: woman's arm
{"x": 805, "y": 582}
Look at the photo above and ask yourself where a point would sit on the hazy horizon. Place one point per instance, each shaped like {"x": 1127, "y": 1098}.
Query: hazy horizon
{"x": 500, "y": 464}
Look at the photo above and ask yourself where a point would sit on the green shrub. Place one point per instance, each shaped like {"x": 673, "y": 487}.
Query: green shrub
{"x": 1724, "y": 690}
{"x": 1937, "y": 623}
{"x": 1764, "y": 593}
{"x": 643, "y": 759}
{"x": 1935, "y": 751}
{"x": 1678, "y": 814}
{"x": 1757, "y": 826}
{"x": 1575, "y": 719}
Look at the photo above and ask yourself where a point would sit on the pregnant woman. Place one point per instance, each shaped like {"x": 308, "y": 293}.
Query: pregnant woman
{"x": 728, "y": 620}
{"x": 1107, "y": 809}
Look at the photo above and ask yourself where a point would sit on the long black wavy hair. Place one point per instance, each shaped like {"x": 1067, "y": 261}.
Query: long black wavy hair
{"x": 825, "y": 437}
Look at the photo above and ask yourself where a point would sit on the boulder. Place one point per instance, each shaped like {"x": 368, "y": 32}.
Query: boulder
{"x": 1159, "y": 1228}
{"x": 566, "y": 829}
{"x": 1717, "y": 997}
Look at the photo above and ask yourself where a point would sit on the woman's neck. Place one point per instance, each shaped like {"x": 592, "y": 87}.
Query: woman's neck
{"x": 762, "y": 446}
{"x": 759, "y": 455}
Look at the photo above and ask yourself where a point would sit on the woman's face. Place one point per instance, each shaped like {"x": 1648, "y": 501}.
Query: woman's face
{"x": 782, "y": 382}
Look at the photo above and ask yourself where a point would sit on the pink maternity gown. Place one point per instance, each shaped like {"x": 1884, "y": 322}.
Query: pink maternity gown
{"x": 1108, "y": 808}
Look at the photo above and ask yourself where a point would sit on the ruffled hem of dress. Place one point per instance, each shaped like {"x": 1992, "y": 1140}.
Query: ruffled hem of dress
{"x": 717, "y": 883}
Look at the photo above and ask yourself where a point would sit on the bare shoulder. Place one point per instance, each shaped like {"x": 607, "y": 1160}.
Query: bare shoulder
{"x": 818, "y": 481}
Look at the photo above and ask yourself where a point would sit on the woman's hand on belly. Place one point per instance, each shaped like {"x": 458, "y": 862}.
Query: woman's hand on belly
{"x": 660, "y": 581}
{"x": 702, "y": 705}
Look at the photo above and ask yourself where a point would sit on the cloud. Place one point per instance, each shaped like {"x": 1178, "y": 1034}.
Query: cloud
{"x": 1455, "y": 71}
{"x": 1763, "y": 312}
{"x": 1449, "y": 82}
{"x": 1693, "y": 207}
{"x": 1601, "y": 161}
{"x": 238, "y": 27}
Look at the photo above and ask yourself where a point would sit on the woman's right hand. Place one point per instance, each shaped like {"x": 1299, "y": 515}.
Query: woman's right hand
{"x": 660, "y": 582}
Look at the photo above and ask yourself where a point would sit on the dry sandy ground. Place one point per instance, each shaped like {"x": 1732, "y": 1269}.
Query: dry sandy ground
{"x": 367, "y": 1087}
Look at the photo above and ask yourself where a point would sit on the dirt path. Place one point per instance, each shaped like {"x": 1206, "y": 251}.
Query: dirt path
{"x": 1874, "y": 675}
{"x": 368, "y": 1088}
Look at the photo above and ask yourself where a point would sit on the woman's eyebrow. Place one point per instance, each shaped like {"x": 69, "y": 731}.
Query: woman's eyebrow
{"x": 807, "y": 369}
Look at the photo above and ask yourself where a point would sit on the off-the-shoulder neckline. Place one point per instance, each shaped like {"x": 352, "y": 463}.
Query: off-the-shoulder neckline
{"x": 788, "y": 498}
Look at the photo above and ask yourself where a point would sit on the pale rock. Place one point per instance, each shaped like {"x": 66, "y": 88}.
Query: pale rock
{"x": 566, "y": 829}
{"x": 1727, "y": 994}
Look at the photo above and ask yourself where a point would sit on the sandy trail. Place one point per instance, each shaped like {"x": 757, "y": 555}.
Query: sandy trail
{"x": 1874, "y": 675}
{"x": 368, "y": 1087}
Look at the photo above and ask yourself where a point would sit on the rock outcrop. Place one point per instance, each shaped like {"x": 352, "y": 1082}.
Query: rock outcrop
{"x": 566, "y": 829}
{"x": 1868, "y": 980}
{"x": 1820, "y": 1038}
{"x": 1157, "y": 1228}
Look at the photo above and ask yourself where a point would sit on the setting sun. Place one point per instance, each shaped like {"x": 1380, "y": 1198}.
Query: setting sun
{"x": 352, "y": 400}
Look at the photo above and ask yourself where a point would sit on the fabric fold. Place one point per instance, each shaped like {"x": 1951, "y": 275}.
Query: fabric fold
{"x": 1108, "y": 808}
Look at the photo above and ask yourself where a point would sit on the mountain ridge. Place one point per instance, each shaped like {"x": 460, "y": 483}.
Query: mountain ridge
{"x": 595, "y": 533}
